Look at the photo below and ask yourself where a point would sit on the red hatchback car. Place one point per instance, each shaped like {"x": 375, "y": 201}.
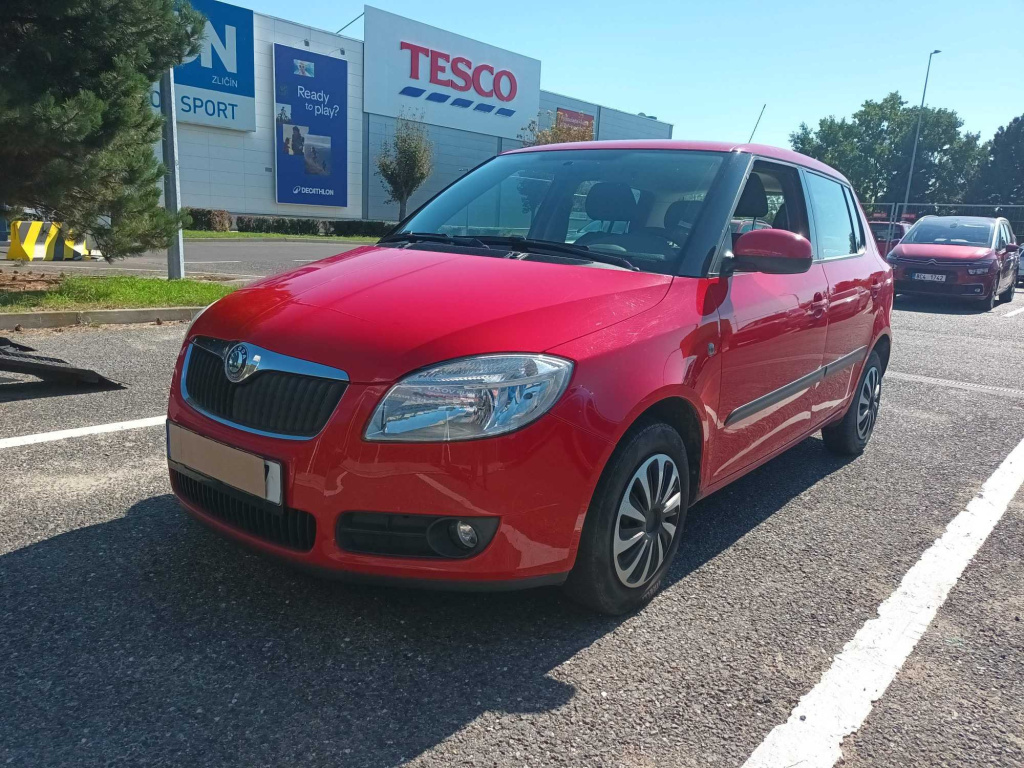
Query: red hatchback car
{"x": 969, "y": 257}
{"x": 476, "y": 402}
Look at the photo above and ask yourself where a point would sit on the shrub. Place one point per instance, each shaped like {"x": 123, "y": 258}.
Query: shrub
{"x": 360, "y": 228}
{"x": 208, "y": 220}
{"x": 279, "y": 225}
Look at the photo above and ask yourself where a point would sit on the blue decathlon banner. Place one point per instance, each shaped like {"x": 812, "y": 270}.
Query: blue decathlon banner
{"x": 310, "y": 127}
{"x": 218, "y": 85}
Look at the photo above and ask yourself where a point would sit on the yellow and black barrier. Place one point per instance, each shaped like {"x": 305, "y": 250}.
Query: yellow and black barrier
{"x": 42, "y": 241}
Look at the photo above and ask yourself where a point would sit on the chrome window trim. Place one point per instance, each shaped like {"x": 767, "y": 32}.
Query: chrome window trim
{"x": 268, "y": 361}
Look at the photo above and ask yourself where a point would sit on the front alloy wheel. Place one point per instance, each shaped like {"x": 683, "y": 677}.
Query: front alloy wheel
{"x": 635, "y": 521}
{"x": 647, "y": 521}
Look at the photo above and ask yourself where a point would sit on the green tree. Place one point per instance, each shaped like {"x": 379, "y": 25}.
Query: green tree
{"x": 76, "y": 127}
{"x": 1001, "y": 178}
{"x": 405, "y": 161}
{"x": 874, "y": 146}
{"x": 559, "y": 132}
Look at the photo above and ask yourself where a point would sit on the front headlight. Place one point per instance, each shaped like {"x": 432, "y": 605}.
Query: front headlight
{"x": 470, "y": 398}
{"x": 981, "y": 269}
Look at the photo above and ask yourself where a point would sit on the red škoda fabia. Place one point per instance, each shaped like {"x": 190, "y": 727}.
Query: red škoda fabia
{"x": 535, "y": 375}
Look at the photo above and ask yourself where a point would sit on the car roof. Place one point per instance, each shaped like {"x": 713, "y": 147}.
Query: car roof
{"x": 761, "y": 150}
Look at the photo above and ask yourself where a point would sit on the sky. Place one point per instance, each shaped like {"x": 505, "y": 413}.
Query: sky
{"x": 708, "y": 67}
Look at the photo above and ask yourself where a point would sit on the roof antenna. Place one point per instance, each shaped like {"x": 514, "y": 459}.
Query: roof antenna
{"x": 757, "y": 124}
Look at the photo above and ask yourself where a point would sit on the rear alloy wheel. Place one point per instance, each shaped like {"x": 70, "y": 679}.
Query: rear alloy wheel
{"x": 850, "y": 436}
{"x": 1007, "y": 296}
{"x": 635, "y": 522}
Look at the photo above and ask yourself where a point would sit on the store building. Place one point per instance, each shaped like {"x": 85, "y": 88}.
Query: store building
{"x": 276, "y": 118}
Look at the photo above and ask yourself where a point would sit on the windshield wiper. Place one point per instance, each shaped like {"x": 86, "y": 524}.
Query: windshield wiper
{"x": 579, "y": 251}
{"x": 433, "y": 237}
{"x": 524, "y": 243}
{"x": 417, "y": 237}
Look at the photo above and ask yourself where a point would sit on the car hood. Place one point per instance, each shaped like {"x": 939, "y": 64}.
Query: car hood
{"x": 963, "y": 253}
{"x": 378, "y": 313}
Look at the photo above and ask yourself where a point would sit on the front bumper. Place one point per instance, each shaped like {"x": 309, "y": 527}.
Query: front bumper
{"x": 537, "y": 482}
{"x": 957, "y": 282}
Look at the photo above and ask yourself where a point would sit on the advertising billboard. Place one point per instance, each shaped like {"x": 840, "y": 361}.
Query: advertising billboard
{"x": 218, "y": 85}
{"x": 310, "y": 127}
{"x": 574, "y": 119}
{"x": 425, "y": 73}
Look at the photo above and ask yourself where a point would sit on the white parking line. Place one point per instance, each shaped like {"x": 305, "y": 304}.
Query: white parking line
{"x": 1015, "y": 312}
{"x": 63, "y": 434}
{"x": 840, "y": 703}
{"x": 214, "y": 262}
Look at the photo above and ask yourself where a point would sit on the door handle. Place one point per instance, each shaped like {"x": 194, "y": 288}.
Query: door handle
{"x": 819, "y": 304}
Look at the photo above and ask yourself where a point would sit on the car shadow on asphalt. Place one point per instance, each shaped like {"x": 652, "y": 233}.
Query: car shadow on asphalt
{"x": 939, "y": 305}
{"x": 12, "y": 390}
{"x": 149, "y": 639}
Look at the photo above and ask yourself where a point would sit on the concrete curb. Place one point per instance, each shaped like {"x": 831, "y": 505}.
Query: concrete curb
{"x": 95, "y": 317}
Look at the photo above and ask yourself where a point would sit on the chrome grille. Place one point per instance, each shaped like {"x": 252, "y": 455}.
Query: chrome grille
{"x": 284, "y": 403}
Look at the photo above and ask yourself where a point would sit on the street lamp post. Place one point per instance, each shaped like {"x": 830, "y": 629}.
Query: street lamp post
{"x": 920, "y": 114}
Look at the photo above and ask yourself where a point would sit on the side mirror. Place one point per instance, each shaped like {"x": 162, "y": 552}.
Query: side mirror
{"x": 1012, "y": 247}
{"x": 773, "y": 251}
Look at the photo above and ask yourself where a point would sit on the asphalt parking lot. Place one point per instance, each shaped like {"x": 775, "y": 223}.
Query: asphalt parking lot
{"x": 242, "y": 260}
{"x": 131, "y": 635}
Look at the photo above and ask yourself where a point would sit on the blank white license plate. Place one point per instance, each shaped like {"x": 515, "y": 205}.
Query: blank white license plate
{"x": 926, "y": 276}
{"x": 247, "y": 472}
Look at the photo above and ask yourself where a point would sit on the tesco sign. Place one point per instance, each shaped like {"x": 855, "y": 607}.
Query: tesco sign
{"x": 438, "y": 77}
{"x": 482, "y": 78}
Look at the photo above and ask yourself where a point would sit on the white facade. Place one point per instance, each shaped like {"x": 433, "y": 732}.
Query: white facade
{"x": 234, "y": 170}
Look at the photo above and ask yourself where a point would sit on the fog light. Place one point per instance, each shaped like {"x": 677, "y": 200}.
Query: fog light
{"x": 464, "y": 534}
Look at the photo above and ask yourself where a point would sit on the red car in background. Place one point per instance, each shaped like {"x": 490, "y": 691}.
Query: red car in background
{"x": 887, "y": 234}
{"x": 970, "y": 257}
{"x": 462, "y": 405}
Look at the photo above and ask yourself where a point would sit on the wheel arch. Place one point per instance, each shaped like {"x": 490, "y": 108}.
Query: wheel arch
{"x": 883, "y": 346}
{"x": 680, "y": 414}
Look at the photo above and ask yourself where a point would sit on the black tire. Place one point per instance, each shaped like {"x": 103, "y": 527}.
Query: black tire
{"x": 988, "y": 304}
{"x": 594, "y": 580}
{"x": 1007, "y": 296}
{"x": 850, "y": 436}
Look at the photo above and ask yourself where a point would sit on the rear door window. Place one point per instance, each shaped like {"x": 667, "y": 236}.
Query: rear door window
{"x": 858, "y": 230}
{"x": 833, "y": 221}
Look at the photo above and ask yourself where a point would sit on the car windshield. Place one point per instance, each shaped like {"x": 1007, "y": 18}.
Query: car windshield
{"x": 629, "y": 208}
{"x": 975, "y": 232}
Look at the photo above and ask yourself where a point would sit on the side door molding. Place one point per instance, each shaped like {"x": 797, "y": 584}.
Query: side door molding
{"x": 795, "y": 387}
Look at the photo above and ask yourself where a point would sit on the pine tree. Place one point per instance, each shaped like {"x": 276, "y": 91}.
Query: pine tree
{"x": 76, "y": 127}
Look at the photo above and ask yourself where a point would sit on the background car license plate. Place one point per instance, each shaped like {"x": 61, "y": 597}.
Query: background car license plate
{"x": 245, "y": 471}
{"x": 928, "y": 276}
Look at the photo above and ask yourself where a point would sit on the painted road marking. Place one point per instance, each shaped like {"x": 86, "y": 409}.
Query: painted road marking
{"x": 214, "y": 262}
{"x": 987, "y": 388}
{"x": 840, "y": 703}
{"x": 63, "y": 434}
{"x": 1015, "y": 312}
